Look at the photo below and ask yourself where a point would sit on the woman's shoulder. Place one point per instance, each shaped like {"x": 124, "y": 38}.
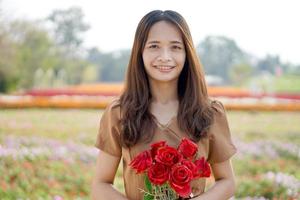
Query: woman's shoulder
{"x": 113, "y": 109}
{"x": 219, "y": 113}
{"x": 217, "y": 106}
{"x": 114, "y": 103}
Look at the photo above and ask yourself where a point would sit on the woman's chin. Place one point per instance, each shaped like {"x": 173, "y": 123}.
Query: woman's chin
{"x": 164, "y": 79}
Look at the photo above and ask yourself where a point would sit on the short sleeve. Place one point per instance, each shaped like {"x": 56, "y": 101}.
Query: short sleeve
{"x": 221, "y": 147}
{"x": 108, "y": 139}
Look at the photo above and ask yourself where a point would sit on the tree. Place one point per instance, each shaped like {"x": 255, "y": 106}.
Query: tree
{"x": 90, "y": 74}
{"x": 111, "y": 67}
{"x": 269, "y": 63}
{"x": 29, "y": 57}
{"x": 35, "y": 50}
{"x": 8, "y": 69}
{"x": 218, "y": 54}
{"x": 240, "y": 73}
{"x": 68, "y": 28}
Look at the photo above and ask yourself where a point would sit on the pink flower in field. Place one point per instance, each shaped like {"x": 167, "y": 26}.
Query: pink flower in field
{"x": 57, "y": 197}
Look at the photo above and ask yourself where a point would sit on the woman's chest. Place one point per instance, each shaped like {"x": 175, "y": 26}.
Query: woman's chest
{"x": 172, "y": 138}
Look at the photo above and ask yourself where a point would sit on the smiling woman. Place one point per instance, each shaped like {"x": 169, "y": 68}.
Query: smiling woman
{"x": 164, "y": 53}
{"x": 165, "y": 99}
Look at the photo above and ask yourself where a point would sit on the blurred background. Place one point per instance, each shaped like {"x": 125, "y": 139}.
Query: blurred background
{"x": 61, "y": 62}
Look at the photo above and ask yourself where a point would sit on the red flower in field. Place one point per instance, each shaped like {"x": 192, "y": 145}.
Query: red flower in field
{"x": 168, "y": 156}
{"x": 180, "y": 179}
{"x": 158, "y": 173}
{"x": 141, "y": 162}
{"x": 156, "y": 146}
{"x": 203, "y": 168}
{"x": 187, "y": 148}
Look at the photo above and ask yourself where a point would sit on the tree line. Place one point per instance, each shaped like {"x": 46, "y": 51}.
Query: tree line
{"x": 50, "y": 53}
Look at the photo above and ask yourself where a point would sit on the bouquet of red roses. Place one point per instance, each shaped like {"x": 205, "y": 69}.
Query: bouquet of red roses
{"x": 169, "y": 171}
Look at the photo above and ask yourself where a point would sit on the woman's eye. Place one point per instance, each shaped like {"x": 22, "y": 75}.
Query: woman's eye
{"x": 153, "y": 46}
{"x": 177, "y": 47}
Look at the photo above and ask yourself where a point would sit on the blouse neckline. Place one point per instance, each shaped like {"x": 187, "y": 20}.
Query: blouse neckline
{"x": 164, "y": 126}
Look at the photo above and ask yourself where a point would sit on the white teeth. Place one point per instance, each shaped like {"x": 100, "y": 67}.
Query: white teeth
{"x": 161, "y": 67}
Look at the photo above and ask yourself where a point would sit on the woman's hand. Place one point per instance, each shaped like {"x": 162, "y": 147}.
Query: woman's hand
{"x": 106, "y": 168}
{"x": 224, "y": 187}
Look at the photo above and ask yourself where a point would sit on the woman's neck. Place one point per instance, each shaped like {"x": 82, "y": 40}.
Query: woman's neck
{"x": 164, "y": 93}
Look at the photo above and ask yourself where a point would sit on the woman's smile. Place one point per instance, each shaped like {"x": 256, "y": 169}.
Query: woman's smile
{"x": 164, "y": 68}
{"x": 164, "y": 53}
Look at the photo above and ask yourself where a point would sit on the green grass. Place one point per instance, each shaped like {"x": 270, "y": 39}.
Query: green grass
{"x": 290, "y": 83}
{"x": 275, "y": 126}
{"x": 285, "y": 83}
{"x": 82, "y": 125}
{"x": 78, "y": 125}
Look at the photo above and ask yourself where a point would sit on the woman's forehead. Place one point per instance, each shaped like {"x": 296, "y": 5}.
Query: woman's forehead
{"x": 164, "y": 31}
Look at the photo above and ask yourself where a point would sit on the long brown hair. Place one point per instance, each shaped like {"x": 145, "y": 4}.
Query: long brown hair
{"x": 194, "y": 113}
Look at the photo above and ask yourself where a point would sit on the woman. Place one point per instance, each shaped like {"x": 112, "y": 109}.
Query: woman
{"x": 165, "y": 98}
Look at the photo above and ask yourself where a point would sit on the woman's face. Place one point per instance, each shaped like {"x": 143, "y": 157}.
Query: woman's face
{"x": 164, "y": 53}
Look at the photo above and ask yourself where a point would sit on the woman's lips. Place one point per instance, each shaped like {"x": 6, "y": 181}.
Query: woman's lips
{"x": 164, "y": 68}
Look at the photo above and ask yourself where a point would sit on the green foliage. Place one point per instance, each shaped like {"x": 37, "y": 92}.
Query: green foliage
{"x": 148, "y": 184}
{"x": 34, "y": 51}
{"x": 148, "y": 197}
{"x": 45, "y": 179}
{"x": 278, "y": 126}
{"x": 269, "y": 63}
{"x": 218, "y": 54}
{"x": 286, "y": 83}
{"x": 257, "y": 166}
{"x": 90, "y": 74}
{"x": 29, "y": 57}
{"x": 239, "y": 73}
{"x": 111, "y": 66}
{"x": 261, "y": 188}
{"x": 294, "y": 69}
{"x": 8, "y": 69}
{"x": 68, "y": 27}
{"x": 32, "y": 56}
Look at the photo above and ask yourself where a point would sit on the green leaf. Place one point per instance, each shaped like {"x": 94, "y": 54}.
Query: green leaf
{"x": 148, "y": 184}
{"x": 148, "y": 197}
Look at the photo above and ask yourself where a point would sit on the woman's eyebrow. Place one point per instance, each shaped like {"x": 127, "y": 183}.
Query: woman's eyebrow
{"x": 153, "y": 42}
{"x": 176, "y": 42}
{"x": 156, "y": 42}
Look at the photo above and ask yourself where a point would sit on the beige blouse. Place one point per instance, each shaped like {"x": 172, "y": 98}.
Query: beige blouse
{"x": 217, "y": 147}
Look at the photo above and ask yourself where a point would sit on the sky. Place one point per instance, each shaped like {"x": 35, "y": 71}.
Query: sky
{"x": 259, "y": 27}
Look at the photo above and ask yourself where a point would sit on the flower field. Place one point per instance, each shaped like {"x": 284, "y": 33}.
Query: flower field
{"x": 98, "y": 95}
{"x": 49, "y": 154}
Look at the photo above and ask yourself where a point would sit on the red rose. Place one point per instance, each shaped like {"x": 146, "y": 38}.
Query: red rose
{"x": 158, "y": 173}
{"x": 191, "y": 166}
{"x": 187, "y": 148}
{"x": 180, "y": 179}
{"x": 156, "y": 146}
{"x": 142, "y": 161}
{"x": 168, "y": 156}
{"x": 203, "y": 168}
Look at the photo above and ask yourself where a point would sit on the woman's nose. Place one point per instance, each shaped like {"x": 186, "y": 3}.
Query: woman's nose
{"x": 164, "y": 55}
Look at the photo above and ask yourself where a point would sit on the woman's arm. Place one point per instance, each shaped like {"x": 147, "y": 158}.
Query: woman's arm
{"x": 102, "y": 186}
{"x": 224, "y": 187}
